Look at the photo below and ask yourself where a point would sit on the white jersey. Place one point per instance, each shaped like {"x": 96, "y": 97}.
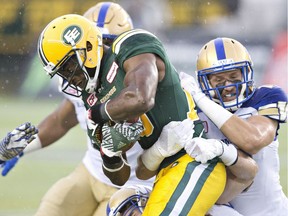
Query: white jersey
{"x": 92, "y": 159}
{"x": 265, "y": 197}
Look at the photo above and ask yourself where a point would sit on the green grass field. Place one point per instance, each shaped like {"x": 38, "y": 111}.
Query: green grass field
{"x": 22, "y": 189}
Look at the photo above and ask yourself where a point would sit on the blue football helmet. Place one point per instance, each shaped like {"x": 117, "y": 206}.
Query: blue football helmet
{"x": 110, "y": 18}
{"x": 128, "y": 200}
{"x": 223, "y": 55}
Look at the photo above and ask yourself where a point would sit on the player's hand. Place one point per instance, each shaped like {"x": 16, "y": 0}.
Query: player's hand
{"x": 15, "y": 142}
{"x": 173, "y": 137}
{"x": 171, "y": 141}
{"x": 119, "y": 137}
{"x": 189, "y": 83}
{"x": 204, "y": 150}
{"x": 7, "y": 166}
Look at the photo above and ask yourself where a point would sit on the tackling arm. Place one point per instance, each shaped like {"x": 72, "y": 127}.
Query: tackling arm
{"x": 239, "y": 177}
{"x": 250, "y": 135}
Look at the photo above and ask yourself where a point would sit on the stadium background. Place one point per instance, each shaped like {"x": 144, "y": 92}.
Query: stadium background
{"x": 184, "y": 26}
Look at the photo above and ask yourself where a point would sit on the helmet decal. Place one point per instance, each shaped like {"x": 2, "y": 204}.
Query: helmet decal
{"x": 72, "y": 35}
{"x": 220, "y": 51}
{"x": 102, "y": 14}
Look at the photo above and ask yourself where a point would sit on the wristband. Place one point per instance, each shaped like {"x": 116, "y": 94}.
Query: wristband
{"x": 99, "y": 113}
{"x": 214, "y": 111}
{"x": 110, "y": 160}
{"x": 230, "y": 154}
{"x": 152, "y": 158}
{"x": 34, "y": 145}
{"x": 113, "y": 170}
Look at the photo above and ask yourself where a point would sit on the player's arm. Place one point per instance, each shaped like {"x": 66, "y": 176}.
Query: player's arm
{"x": 143, "y": 72}
{"x": 52, "y": 128}
{"x": 142, "y": 172}
{"x": 240, "y": 176}
{"x": 58, "y": 123}
{"x": 250, "y": 135}
{"x": 115, "y": 169}
{"x": 140, "y": 83}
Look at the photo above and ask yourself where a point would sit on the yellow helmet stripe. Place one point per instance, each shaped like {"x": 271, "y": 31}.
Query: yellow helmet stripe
{"x": 118, "y": 42}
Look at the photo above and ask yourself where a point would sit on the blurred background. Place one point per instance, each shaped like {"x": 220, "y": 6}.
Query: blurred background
{"x": 184, "y": 26}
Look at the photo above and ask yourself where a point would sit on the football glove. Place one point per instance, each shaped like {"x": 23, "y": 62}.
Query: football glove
{"x": 171, "y": 140}
{"x": 15, "y": 142}
{"x": 120, "y": 136}
{"x": 204, "y": 150}
{"x": 8, "y": 165}
{"x": 189, "y": 83}
{"x": 173, "y": 136}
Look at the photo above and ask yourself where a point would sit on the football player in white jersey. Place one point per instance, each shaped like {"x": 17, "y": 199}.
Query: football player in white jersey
{"x": 237, "y": 112}
{"x": 86, "y": 190}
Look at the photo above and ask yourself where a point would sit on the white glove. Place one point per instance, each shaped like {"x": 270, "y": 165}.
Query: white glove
{"x": 171, "y": 140}
{"x": 173, "y": 136}
{"x": 119, "y": 137}
{"x": 15, "y": 141}
{"x": 204, "y": 150}
{"x": 190, "y": 84}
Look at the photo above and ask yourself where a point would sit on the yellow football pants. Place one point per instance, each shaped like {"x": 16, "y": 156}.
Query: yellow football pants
{"x": 186, "y": 187}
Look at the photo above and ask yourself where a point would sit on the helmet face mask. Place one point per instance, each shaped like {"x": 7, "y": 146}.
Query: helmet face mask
{"x": 70, "y": 46}
{"x": 133, "y": 205}
{"x": 128, "y": 201}
{"x": 74, "y": 75}
{"x": 225, "y": 73}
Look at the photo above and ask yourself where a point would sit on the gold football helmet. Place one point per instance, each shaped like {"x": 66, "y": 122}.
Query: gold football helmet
{"x": 224, "y": 55}
{"x": 71, "y": 46}
{"x": 128, "y": 200}
{"x": 111, "y": 18}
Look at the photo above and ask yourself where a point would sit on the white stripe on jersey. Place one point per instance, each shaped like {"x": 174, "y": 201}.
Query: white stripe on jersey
{"x": 118, "y": 42}
{"x": 194, "y": 178}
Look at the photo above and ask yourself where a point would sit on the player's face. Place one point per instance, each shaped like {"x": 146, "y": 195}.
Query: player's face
{"x": 226, "y": 80}
{"x": 132, "y": 212}
{"x": 72, "y": 72}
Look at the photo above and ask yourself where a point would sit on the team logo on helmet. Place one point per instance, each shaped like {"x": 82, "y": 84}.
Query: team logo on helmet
{"x": 72, "y": 35}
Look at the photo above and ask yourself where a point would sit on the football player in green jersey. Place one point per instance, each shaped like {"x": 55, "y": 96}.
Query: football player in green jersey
{"x": 134, "y": 79}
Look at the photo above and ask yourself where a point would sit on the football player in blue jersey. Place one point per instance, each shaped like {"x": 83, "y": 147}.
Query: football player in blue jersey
{"x": 236, "y": 111}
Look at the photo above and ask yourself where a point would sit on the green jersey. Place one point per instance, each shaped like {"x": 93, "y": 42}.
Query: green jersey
{"x": 171, "y": 102}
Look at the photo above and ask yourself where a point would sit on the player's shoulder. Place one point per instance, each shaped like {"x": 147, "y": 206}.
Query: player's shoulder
{"x": 270, "y": 92}
{"x": 133, "y": 38}
{"x": 270, "y": 101}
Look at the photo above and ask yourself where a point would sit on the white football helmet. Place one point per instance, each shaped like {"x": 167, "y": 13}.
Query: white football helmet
{"x": 71, "y": 46}
{"x": 224, "y": 55}
{"x": 111, "y": 19}
{"x": 128, "y": 200}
